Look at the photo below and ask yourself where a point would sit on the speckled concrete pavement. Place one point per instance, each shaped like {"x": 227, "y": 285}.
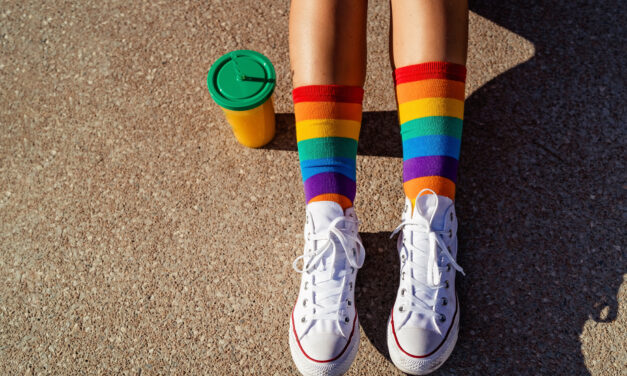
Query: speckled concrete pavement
{"x": 137, "y": 237}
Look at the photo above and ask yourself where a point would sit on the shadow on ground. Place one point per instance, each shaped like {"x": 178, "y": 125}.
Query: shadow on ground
{"x": 540, "y": 196}
{"x": 374, "y": 139}
{"x": 541, "y": 192}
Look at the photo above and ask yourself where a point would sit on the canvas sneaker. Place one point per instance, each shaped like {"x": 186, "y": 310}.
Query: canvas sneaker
{"x": 324, "y": 328}
{"x": 424, "y": 322}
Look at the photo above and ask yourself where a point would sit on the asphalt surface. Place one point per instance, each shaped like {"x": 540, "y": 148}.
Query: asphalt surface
{"x": 137, "y": 236}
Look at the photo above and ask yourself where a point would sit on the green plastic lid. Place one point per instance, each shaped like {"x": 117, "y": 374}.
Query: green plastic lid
{"x": 241, "y": 80}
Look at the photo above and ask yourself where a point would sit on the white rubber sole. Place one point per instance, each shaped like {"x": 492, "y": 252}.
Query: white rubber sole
{"x": 337, "y": 367}
{"x": 422, "y": 366}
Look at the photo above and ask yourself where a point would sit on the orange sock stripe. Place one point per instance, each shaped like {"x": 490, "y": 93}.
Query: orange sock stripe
{"x": 440, "y": 185}
{"x": 435, "y": 88}
{"x": 344, "y": 201}
{"x": 327, "y": 110}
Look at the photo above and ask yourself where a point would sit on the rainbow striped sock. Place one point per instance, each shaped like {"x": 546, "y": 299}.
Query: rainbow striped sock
{"x": 328, "y": 120}
{"x": 431, "y": 110}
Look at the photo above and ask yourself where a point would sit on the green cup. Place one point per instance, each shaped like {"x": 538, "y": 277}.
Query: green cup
{"x": 242, "y": 83}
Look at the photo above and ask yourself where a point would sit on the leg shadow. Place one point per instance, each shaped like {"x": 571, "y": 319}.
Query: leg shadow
{"x": 539, "y": 200}
{"x": 539, "y": 197}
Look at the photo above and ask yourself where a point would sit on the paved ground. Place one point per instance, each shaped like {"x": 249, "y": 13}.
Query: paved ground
{"x": 136, "y": 236}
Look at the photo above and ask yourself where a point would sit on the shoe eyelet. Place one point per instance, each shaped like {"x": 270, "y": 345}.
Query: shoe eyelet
{"x": 354, "y": 251}
{"x": 447, "y": 284}
{"x": 303, "y": 319}
{"x": 352, "y": 270}
{"x": 448, "y": 248}
{"x": 451, "y": 216}
{"x": 346, "y": 319}
{"x": 448, "y": 267}
{"x": 350, "y": 285}
{"x": 450, "y": 233}
{"x": 305, "y": 285}
{"x": 401, "y": 309}
{"x": 305, "y": 303}
{"x": 348, "y": 302}
{"x": 444, "y": 301}
{"x": 442, "y": 318}
{"x": 403, "y": 291}
{"x": 402, "y": 276}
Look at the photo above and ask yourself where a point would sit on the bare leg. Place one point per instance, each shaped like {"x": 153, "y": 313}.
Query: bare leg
{"x": 328, "y": 42}
{"x": 429, "y": 30}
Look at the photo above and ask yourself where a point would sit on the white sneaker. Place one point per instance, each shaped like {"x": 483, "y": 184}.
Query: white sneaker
{"x": 324, "y": 329}
{"x": 424, "y": 323}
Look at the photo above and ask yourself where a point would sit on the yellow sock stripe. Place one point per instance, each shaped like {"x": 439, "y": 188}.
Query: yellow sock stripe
{"x": 430, "y": 107}
{"x": 327, "y": 110}
{"x": 319, "y": 128}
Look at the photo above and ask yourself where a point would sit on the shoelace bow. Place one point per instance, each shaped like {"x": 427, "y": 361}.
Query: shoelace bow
{"x": 422, "y": 299}
{"x": 324, "y": 308}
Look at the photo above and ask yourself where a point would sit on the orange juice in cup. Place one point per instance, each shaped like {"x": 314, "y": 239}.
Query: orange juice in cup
{"x": 241, "y": 83}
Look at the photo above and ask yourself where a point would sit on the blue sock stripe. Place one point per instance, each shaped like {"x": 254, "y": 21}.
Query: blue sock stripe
{"x": 344, "y": 166}
{"x": 431, "y": 145}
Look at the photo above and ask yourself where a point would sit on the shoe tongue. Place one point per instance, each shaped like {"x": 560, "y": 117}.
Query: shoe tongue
{"x": 323, "y": 213}
{"x": 428, "y": 205}
{"x": 431, "y": 204}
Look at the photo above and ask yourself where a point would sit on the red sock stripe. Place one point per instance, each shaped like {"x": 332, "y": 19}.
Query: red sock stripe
{"x": 328, "y": 93}
{"x": 434, "y": 69}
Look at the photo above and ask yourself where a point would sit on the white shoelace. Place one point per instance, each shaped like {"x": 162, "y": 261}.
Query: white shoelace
{"x": 325, "y": 307}
{"x": 422, "y": 299}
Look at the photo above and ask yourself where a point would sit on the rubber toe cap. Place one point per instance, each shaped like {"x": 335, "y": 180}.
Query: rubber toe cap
{"x": 418, "y": 341}
{"x": 323, "y": 346}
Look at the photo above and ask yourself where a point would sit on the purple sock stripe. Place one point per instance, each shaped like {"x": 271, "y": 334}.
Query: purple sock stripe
{"x": 329, "y": 182}
{"x": 435, "y": 165}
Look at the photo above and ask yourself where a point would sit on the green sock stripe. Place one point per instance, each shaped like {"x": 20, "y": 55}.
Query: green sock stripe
{"x": 431, "y": 126}
{"x": 327, "y": 147}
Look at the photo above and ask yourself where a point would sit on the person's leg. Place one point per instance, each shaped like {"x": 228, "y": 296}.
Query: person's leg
{"x": 328, "y": 56}
{"x": 328, "y": 42}
{"x": 429, "y": 30}
{"x": 429, "y": 39}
